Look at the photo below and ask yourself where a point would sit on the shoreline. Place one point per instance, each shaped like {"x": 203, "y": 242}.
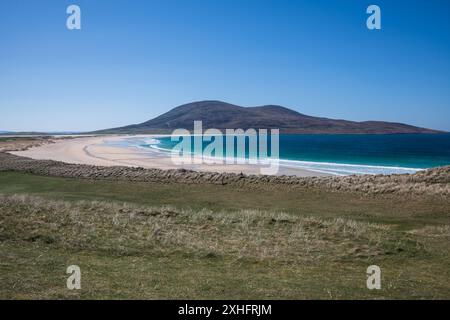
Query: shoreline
{"x": 127, "y": 150}
{"x": 96, "y": 151}
{"x": 432, "y": 182}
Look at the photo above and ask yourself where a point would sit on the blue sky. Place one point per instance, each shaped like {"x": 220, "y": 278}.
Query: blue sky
{"x": 133, "y": 60}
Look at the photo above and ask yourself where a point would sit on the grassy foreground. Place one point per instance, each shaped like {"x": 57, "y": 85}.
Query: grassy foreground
{"x": 137, "y": 240}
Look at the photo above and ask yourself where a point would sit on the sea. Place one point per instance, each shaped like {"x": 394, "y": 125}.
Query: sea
{"x": 347, "y": 154}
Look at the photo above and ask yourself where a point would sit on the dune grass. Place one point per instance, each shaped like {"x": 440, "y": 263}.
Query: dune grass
{"x": 136, "y": 240}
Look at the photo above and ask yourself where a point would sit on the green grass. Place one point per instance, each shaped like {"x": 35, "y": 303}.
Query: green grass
{"x": 39, "y": 272}
{"x": 402, "y": 210}
{"x": 216, "y": 242}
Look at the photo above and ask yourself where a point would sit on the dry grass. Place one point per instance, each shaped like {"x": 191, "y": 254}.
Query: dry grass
{"x": 430, "y": 183}
{"x": 21, "y": 143}
{"x": 433, "y": 231}
{"x": 129, "y": 250}
{"x": 127, "y": 229}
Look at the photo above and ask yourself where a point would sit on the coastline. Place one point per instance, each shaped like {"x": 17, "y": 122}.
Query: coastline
{"x": 432, "y": 182}
{"x": 187, "y": 223}
{"x": 99, "y": 151}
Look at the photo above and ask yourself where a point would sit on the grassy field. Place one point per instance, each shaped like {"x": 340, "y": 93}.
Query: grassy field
{"x": 138, "y": 240}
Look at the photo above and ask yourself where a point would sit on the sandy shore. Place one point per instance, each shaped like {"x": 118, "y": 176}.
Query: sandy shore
{"x": 103, "y": 151}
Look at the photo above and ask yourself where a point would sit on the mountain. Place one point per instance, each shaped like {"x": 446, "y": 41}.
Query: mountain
{"x": 221, "y": 115}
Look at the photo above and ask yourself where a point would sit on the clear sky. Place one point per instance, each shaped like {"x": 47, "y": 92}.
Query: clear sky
{"x": 133, "y": 60}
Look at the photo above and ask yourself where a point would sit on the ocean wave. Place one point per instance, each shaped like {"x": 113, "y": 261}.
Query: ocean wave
{"x": 339, "y": 169}
{"x": 152, "y": 141}
{"x": 346, "y": 168}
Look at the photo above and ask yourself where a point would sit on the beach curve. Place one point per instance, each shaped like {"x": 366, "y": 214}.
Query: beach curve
{"x": 106, "y": 151}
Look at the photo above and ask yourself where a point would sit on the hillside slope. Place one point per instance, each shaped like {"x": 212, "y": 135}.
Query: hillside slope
{"x": 221, "y": 115}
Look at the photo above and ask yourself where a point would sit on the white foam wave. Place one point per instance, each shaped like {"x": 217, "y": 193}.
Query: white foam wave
{"x": 340, "y": 169}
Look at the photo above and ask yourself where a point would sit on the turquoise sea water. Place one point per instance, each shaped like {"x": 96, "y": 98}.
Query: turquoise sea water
{"x": 352, "y": 154}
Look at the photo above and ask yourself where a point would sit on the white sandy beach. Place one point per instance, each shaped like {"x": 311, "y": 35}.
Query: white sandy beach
{"x": 97, "y": 150}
